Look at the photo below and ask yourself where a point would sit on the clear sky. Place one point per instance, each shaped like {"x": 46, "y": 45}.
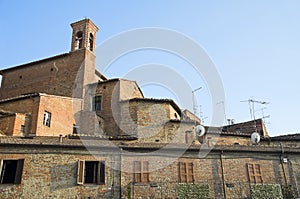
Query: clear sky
{"x": 255, "y": 45}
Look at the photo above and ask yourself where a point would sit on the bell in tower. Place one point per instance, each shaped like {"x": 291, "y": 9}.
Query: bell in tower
{"x": 84, "y": 35}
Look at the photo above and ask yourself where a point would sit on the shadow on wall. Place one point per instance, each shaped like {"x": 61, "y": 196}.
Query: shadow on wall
{"x": 63, "y": 176}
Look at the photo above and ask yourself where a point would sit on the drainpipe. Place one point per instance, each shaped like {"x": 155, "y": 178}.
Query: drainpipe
{"x": 223, "y": 178}
{"x": 282, "y": 165}
{"x": 120, "y": 173}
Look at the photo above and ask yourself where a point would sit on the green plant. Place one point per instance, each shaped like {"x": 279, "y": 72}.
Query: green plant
{"x": 259, "y": 191}
{"x": 288, "y": 192}
{"x": 193, "y": 191}
{"x": 129, "y": 191}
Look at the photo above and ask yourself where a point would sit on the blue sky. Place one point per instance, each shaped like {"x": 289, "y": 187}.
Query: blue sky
{"x": 255, "y": 45}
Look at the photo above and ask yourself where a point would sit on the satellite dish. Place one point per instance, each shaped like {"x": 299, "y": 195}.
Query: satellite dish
{"x": 200, "y": 130}
{"x": 255, "y": 137}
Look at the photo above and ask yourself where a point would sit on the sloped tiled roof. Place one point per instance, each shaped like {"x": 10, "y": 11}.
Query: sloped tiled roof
{"x": 132, "y": 145}
{"x": 154, "y": 100}
{"x": 289, "y": 137}
{"x": 32, "y": 63}
{"x": 246, "y": 127}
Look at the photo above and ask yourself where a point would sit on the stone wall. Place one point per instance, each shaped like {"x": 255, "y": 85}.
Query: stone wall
{"x": 51, "y": 172}
{"x": 163, "y": 177}
{"x": 53, "y": 175}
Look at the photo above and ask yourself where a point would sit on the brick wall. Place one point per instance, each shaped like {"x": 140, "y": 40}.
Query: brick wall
{"x": 62, "y": 111}
{"x": 30, "y": 112}
{"x": 27, "y": 106}
{"x": 7, "y": 124}
{"x": 64, "y": 75}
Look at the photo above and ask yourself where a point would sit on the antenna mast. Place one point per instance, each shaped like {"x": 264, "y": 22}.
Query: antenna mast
{"x": 251, "y": 103}
{"x": 224, "y": 111}
{"x": 194, "y": 103}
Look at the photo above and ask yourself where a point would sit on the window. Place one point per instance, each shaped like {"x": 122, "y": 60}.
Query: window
{"x": 78, "y": 40}
{"x": 75, "y": 129}
{"x": 22, "y": 128}
{"x": 91, "y": 42}
{"x": 141, "y": 171}
{"x": 47, "y": 119}
{"x": 91, "y": 172}
{"x": 254, "y": 173}
{"x": 96, "y": 103}
{"x": 11, "y": 171}
{"x": 186, "y": 172}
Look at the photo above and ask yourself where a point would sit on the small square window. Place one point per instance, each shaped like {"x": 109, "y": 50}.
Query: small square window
{"x": 47, "y": 119}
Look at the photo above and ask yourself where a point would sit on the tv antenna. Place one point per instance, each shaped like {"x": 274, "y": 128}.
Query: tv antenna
{"x": 224, "y": 111}
{"x": 251, "y": 103}
{"x": 202, "y": 117}
{"x": 263, "y": 113}
{"x": 195, "y": 106}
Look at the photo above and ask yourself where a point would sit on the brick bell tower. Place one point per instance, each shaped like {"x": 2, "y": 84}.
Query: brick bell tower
{"x": 84, "y": 35}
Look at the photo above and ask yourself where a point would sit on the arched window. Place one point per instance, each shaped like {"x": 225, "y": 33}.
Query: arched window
{"x": 91, "y": 42}
{"x": 78, "y": 40}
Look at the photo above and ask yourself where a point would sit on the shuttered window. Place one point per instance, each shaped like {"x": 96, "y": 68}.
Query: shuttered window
{"x": 141, "y": 171}
{"x": 91, "y": 172}
{"x": 254, "y": 173}
{"x": 186, "y": 172}
{"x": 11, "y": 171}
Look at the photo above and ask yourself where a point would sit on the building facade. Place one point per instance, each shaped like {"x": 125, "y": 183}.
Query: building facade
{"x": 67, "y": 131}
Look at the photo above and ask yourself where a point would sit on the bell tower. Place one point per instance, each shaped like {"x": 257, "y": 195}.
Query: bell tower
{"x": 84, "y": 35}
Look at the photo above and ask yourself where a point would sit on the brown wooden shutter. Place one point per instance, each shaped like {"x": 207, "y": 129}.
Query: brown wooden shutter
{"x": 80, "y": 173}
{"x": 137, "y": 171}
{"x": 190, "y": 172}
{"x": 183, "y": 174}
{"x": 1, "y": 171}
{"x": 19, "y": 171}
{"x": 251, "y": 173}
{"x": 101, "y": 173}
{"x": 254, "y": 173}
{"x": 258, "y": 173}
{"x": 179, "y": 173}
{"x": 145, "y": 171}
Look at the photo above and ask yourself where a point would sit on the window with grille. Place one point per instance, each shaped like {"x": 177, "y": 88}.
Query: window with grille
{"x": 11, "y": 171}
{"x": 91, "y": 172}
{"x": 47, "y": 119}
{"x": 186, "y": 172}
{"x": 254, "y": 173}
{"x": 141, "y": 171}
